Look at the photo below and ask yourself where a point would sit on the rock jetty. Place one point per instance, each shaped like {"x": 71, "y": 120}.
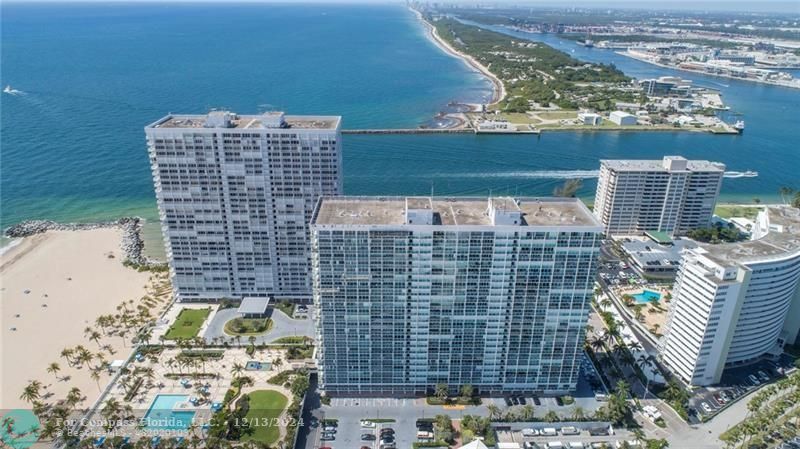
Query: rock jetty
{"x": 132, "y": 244}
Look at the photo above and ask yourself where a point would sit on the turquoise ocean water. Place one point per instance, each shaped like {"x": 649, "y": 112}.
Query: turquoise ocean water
{"x": 92, "y": 76}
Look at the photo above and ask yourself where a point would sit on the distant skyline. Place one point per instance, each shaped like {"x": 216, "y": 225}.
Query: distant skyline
{"x": 782, "y": 6}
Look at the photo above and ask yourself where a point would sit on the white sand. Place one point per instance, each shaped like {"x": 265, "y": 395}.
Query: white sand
{"x": 42, "y": 264}
{"x": 499, "y": 88}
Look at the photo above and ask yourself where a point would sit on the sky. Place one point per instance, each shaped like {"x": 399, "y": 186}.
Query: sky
{"x": 786, "y": 6}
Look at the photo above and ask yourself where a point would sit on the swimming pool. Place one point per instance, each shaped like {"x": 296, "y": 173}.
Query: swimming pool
{"x": 647, "y": 296}
{"x": 161, "y": 415}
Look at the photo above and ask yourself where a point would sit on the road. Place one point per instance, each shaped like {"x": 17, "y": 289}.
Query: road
{"x": 282, "y": 326}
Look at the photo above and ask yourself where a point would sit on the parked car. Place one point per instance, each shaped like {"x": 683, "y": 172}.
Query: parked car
{"x": 522, "y": 401}
{"x": 763, "y": 376}
{"x": 707, "y": 408}
{"x": 537, "y": 401}
{"x": 529, "y": 432}
{"x": 718, "y": 397}
{"x": 329, "y": 429}
{"x": 327, "y": 437}
{"x": 367, "y": 437}
{"x": 508, "y": 401}
{"x": 548, "y": 432}
{"x": 368, "y": 424}
{"x": 753, "y": 379}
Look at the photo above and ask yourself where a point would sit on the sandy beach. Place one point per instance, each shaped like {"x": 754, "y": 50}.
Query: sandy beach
{"x": 499, "y": 89}
{"x": 52, "y": 286}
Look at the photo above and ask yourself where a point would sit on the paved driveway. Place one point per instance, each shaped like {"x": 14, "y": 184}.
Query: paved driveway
{"x": 282, "y": 326}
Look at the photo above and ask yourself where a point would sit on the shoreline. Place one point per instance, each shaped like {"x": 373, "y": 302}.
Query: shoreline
{"x": 55, "y": 284}
{"x": 700, "y": 72}
{"x": 498, "y": 88}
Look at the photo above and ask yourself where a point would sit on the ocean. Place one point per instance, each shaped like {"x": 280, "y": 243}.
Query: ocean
{"x": 92, "y": 76}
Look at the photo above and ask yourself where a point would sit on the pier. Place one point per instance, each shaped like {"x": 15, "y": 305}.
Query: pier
{"x": 409, "y": 131}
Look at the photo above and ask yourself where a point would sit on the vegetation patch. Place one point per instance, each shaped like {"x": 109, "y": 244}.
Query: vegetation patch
{"x": 188, "y": 324}
{"x": 286, "y": 307}
{"x": 248, "y": 326}
{"x": 199, "y": 354}
{"x": 292, "y": 341}
{"x": 265, "y": 407}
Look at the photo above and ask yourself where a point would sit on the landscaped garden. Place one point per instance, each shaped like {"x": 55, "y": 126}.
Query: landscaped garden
{"x": 263, "y": 415}
{"x": 248, "y": 326}
{"x": 188, "y": 324}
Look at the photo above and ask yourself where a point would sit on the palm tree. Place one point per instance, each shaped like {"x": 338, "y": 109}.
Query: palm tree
{"x": 53, "y": 368}
{"x": 95, "y": 337}
{"x": 237, "y": 369}
{"x": 578, "y": 413}
{"x": 66, "y": 354}
{"x": 32, "y": 391}
{"x": 597, "y": 343}
{"x": 551, "y": 416}
{"x": 74, "y": 397}
{"x": 623, "y": 388}
{"x": 494, "y": 411}
{"x": 441, "y": 391}
{"x": 96, "y": 377}
{"x": 527, "y": 412}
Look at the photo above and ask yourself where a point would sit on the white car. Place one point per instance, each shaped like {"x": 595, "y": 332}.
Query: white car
{"x": 368, "y": 424}
{"x": 706, "y": 407}
{"x": 529, "y": 432}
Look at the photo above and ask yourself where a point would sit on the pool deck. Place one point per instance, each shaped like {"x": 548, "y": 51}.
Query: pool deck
{"x": 142, "y": 401}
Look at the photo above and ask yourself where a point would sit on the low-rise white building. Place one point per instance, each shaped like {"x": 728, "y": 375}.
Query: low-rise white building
{"x": 622, "y": 118}
{"x": 589, "y": 118}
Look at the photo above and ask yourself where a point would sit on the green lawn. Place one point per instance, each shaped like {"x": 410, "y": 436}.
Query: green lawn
{"x": 188, "y": 324}
{"x": 728, "y": 211}
{"x": 285, "y": 307}
{"x": 265, "y": 408}
{"x": 248, "y": 326}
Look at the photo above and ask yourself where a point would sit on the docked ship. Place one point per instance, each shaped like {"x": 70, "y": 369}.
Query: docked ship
{"x": 739, "y": 126}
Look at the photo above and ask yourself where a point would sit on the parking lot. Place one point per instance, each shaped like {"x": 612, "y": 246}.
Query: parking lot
{"x": 539, "y": 435}
{"x": 352, "y": 432}
{"x": 736, "y": 382}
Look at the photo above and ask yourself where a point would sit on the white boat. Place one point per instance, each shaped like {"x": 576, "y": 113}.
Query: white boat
{"x": 8, "y": 89}
{"x": 739, "y": 126}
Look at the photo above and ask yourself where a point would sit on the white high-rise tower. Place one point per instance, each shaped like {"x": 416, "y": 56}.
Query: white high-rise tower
{"x": 235, "y": 195}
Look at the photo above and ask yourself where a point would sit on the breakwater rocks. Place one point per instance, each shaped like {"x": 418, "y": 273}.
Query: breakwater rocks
{"x": 132, "y": 244}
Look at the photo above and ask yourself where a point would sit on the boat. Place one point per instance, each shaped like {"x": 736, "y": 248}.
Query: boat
{"x": 8, "y": 89}
{"x": 739, "y": 126}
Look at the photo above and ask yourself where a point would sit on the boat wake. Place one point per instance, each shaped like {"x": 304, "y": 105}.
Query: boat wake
{"x": 11, "y": 91}
{"x": 740, "y": 174}
{"x": 541, "y": 174}
{"x": 563, "y": 174}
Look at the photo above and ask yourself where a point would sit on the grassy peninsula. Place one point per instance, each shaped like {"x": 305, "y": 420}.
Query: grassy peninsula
{"x": 535, "y": 73}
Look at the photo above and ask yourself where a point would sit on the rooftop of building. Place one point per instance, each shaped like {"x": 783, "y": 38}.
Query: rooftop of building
{"x": 231, "y": 120}
{"x": 677, "y": 162}
{"x": 651, "y": 254}
{"x": 783, "y": 238}
{"x": 456, "y": 211}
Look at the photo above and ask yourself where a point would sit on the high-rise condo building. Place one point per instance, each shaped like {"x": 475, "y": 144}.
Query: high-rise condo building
{"x": 672, "y": 196}
{"x": 413, "y": 292}
{"x": 735, "y": 303}
{"x": 235, "y": 195}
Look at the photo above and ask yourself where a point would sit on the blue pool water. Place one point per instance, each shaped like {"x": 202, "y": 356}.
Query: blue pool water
{"x": 160, "y": 416}
{"x": 647, "y": 296}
